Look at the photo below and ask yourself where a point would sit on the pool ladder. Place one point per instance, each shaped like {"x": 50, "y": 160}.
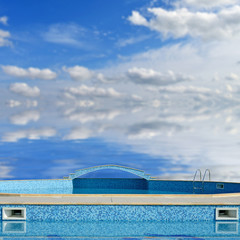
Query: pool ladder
{"x": 201, "y": 180}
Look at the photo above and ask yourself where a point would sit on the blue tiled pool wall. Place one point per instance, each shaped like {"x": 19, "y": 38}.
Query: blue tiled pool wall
{"x": 33, "y": 184}
{"x": 187, "y": 187}
{"x": 211, "y": 187}
{"x": 153, "y": 186}
{"x": 114, "y": 183}
{"x": 117, "y": 238}
{"x": 115, "y": 228}
{"x": 118, "y": 212}
{"x": 170, "y": 186}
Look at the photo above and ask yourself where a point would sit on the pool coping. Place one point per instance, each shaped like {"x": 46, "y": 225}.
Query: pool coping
{"x": 120, "y": 199}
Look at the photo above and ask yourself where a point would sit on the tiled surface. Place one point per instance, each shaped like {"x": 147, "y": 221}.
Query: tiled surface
{"x": 119, "y": 238}
{"x": 117, "y": 213}
{"x": 211, "y": 187}
{"x": 171, "y": 186}
{"x": 110, "y": 229}
{"x": 114, "y": 183}
{"x": 34, "y": 184}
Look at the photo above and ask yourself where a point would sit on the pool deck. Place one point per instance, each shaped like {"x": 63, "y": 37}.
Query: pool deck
{"x": 120, "y": 199}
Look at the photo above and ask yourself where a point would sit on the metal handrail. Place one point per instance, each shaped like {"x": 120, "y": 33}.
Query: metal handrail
{"x": 195, "y": 175}
{"x": 209, "y": 175}
{"x": 204, "y": 175}
{"x": 194, "y": 178}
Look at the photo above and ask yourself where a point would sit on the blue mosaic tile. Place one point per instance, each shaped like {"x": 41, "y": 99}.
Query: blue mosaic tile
{"x": 117, "y": 213}
{"x": 114, "y": 183}
{"x": 109, "y": 229}
{"x": 34, "y": 184}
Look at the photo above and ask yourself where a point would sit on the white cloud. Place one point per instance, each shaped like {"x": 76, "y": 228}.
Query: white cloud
{"x": 25, "y": 90}
{"x": 28, "y": 103}
{"x": 31, "y": 103}
{"x": 13, "y": 103}
{"x": 5, "y": 170}
{"x": 202, "y": 60}
{"x": 79, "y": 73}
{"x": 78, "y": 103}
{"x": 132, "y": 40}
{"x": 232, "y": 77}
{"x": 63, "y": 167}
{"x": 206, "y": 3}
{"x": 79, "y": 133}
{"x": 225, "y": 172}
{"x": 3, "y": 20}
{"x": 84, "y": 117}
{"x": 185, "y": 89}
{"x": 4, "y": 35}
{"x": 178, "y": 23}
{"x": 25, "y": 117}
{"x": 151, "y": 77}
{"x": 84, "y": 103}
{"x": 69, "y": 34}
{"x": 229, "y": 87}
{"x": 62, "y": 35}
{"x": 29, "y": 134}
{"x": 228, "y": 173}
{"x": 32, "y": 73}
{"x": 137, "y": 19}
{"x": 84, "y": 90}
{"x": 152, "y": 129}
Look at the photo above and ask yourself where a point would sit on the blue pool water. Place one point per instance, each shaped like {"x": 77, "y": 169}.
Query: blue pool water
{"x": 119, "y": 230}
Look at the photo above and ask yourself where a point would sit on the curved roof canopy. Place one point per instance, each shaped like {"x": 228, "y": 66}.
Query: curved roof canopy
{"x": 84, "y": 171}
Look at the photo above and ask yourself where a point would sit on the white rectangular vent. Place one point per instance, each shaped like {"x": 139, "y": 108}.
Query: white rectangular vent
{"x": 226, "y": 213}
{"x": 13, "y": 213}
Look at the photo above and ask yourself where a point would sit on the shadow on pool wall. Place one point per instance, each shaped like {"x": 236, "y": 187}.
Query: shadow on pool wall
{"x": 142, "y": 186}
{"x": 106, "y": 185}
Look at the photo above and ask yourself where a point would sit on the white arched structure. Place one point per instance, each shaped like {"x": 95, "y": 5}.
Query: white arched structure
{"x": 84, "y": 171}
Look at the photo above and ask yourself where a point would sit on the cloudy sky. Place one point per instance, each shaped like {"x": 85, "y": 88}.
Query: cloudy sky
{"x": 148, "y": 84}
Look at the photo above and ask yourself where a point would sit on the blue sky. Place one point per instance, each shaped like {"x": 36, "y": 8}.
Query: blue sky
{"x": 88, "y": 33}
{"x": 148, "y": 84}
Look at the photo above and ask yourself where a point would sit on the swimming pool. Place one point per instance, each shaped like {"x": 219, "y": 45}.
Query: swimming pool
{"x": 115, "y": 186}
{"x": 142, "y": 183}
{"x": 77, "y": 198}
